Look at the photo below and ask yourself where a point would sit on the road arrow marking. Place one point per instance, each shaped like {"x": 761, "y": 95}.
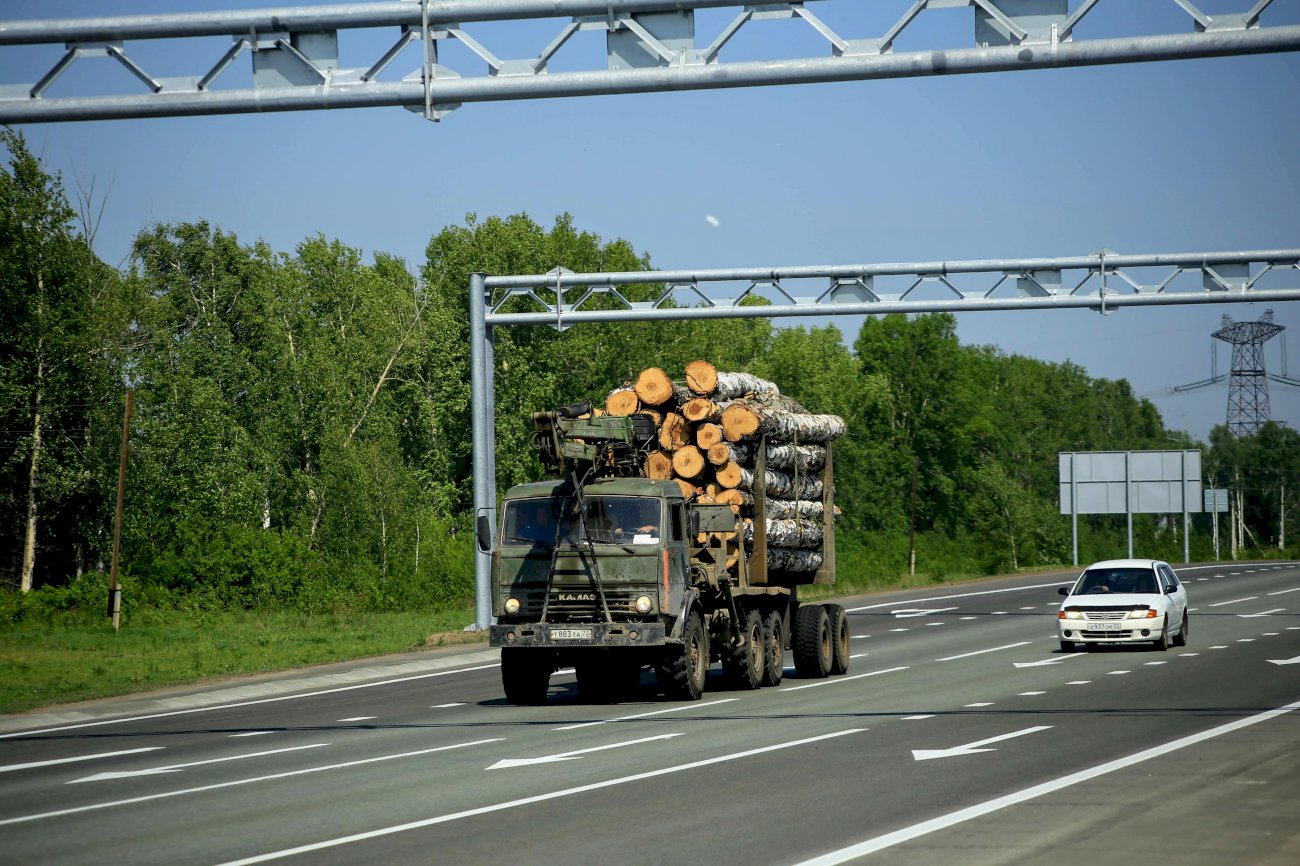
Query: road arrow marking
{"x": 1295, "y": 660}
{"x": 568, "y": 756}
{"x": 981, "y": 652}
{"x": 173, "y": 768}
{"x": 1235, "y": 601}
{"x": 1039, "y": 664}
{"x": 972, "y": 748}
{"x": 1261, "y": 613}
{"x": 905, "y": 612}
{"x": 34, "y": 764}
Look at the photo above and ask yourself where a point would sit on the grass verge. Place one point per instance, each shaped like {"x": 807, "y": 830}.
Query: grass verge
{"x": 66, "y": 659}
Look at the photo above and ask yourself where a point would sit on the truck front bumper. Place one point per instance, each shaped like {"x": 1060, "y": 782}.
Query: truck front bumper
{"x": 587, "y": 634}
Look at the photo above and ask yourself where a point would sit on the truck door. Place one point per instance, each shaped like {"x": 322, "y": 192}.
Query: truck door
{"x": 678, "y": 553}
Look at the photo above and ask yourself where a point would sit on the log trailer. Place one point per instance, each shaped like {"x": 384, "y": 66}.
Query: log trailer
{"x": 610, "y": 572}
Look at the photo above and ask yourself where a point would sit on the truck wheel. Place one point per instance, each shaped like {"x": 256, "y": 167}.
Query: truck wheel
{"x": 839, "y": 621}
{"x": 526, "y": 675}
{"x": 813, "y": 654}
{"x": 773, "y": 649}
{"x": 743, "y": 665}
{"x": 682, "y": 671}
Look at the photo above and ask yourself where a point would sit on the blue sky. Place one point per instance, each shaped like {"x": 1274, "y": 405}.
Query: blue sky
{"x": 1180, "y": 156}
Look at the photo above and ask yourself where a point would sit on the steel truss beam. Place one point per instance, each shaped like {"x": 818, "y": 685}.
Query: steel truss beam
{"x": 1101, "y": 281}
{"x": 649, "y": 45}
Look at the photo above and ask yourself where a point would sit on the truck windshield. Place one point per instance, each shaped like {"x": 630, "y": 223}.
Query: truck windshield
{"x": 618, "y": 519}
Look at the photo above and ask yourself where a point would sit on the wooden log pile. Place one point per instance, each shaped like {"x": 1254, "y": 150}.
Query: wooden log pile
{"x": 710, "y": 428}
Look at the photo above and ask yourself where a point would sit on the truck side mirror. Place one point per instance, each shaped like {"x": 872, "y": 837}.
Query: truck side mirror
{"x": 483, "y": 533}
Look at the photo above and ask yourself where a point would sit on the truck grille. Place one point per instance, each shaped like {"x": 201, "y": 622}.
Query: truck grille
{"x": 583, "y": 605}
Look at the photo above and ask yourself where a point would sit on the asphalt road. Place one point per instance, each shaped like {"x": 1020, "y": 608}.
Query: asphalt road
{"x": 960, "y": 734}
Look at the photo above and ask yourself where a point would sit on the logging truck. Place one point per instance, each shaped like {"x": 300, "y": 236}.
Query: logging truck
{"x": 610, "y": 572}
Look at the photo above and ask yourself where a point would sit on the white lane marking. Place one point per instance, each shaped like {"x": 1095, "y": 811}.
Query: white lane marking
{"x": 981, "y": 704}
{"x": 1045, "y": 662}
{"x": 1285, "y": 591}
{"x": 1188, "y": 655}
{"x": 981, "y": 652}
{"x": 253, "y": 703}
{"x": 1026, "y": 608}
{"x": 507, "y": 763}
{"x": 1234, "y": 601}
{"x": 1245, "y": 640}
{"x": 1219, "y": 646}
{"x": 907, "y": 612}
{"x": 999, "y": 612}
{"x": 917, "y": 718}
{"x": 1205, "y": 578}
{"x": 899, "y": 629}
{"x": 1294, "y": 660}
{"x": 1117, "y": 673}
{"x": 252, "y": 734}
{"x": 173, "y": 768}
{"x": 832, "y": 682}
{"x": 966, "y": 595}
{"x": 859, "y": 655}
{"x": 972, "y": 748}
{"x": 219, "y": 785}
{"x": 1078, "y": 682}
{"x": 1261, "y": 613}
{"x": 447, "y": 706}
{"x": 1270, "y": 634}
{"x": 359, "y": 719}
{"x": 1153, "y": 663}
{"x": 979, "y": 810}
{"x": 12, "y": 767}
{"x": 1030, "y": 694}
{"x": 1293, "y": 628}
{"x": 964, "y": 618}
{"x": 935, "y": 623}
{"x": 526, "y": 801}
{"x": 859, "y": 637}
{"x": 644, "y": 715}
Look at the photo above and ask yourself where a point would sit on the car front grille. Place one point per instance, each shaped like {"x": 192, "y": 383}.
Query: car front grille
{"x": 1105, "y": 615}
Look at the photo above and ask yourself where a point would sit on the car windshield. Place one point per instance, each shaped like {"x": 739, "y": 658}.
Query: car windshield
{"x": 1098, "y": 581}
{"x": 617, "y": 519}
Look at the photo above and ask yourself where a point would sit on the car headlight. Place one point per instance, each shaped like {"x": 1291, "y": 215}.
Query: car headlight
{"x": 512, "y": 605}
{"x": 1149, "y": 613}
{"x": 643, "y": 604}
{"x": 1070, "y": 614}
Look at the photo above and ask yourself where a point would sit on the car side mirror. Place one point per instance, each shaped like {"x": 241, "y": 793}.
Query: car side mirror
{"x": 1170, "y": 590}
{"x": 483, "y": 533}
{"x": 1065, "y": 590}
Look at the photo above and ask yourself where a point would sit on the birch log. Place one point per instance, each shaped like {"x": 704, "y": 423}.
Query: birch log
{"x": 788, "y": 533}
{"x": 707, "y": 435}
{"x": 789, "y": 559}
{"x": 733, "y": 386}
{"x": 688, "y": 462}
{"x": 622, "y": 401}
{"x": 701, "y": 377}
{"x": 699, "y": 409}
{"x": 659, "y": 466}
{"x": 653, "y": 387}
{"x": 745, "y": 418}
{"x": 782, "y": 485}
{"x": 780, "y": 455}
{"x": 674, "y": 432}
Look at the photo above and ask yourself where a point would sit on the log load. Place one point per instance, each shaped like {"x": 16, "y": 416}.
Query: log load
{"x": 733, "y": 386}
{"x": 793, "y": 559}
{"x": 783, "y": 485}
{"x": 622, "y": 401}
{"x": 805, "y": 458}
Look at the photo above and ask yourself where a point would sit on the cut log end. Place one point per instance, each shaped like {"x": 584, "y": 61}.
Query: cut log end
{"x": 688, "y": 462}
{"x": 624, "y": 401}
{"x": 688, "y": 489}
{"x": 729, "y": 475}
{"x": 659, "y": 466}
{"x": 700, "y": 409}
{"x": 653, "y": 387}
{"x": 707, "y": 435}
{"x": 674, "y": 432}
{"x": 701, "y": 377}
{"x": 739, "y": 422}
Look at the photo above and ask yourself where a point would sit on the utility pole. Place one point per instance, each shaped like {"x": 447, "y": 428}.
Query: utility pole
{"x": 1281, "y": 513}
{"x": 115, "y": 591}
{"x": 911, "y": 542}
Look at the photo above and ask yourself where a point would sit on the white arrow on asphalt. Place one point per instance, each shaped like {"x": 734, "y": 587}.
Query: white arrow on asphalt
{"x": 905, "y": 612}
{"x": 1261, "y": 613}
{"x": 972, "y": 748}
{"x": 1039, "y": 664}
{"x": 1295, "y": 660}
{"x": 12, "y": 767}
{"x": 568, "y": 756}
{"x": 173, "y": 768}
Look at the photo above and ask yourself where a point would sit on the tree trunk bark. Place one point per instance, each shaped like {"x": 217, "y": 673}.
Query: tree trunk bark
{"x": 783, "y": 486}
{"x": 33, "y": 475}
{"x": 787, "y": 559}
{"x": 733, "y": 386}
{"x": 788, "y": 532}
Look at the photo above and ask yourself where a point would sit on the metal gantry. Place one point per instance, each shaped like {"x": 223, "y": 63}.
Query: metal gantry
{"x": 1103, "y": 281}
{"x": 648, "y": 45}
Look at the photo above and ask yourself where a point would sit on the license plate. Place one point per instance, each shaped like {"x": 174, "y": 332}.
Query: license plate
{"x": 1105, "y": 626}
{"x": 571, "y": 634}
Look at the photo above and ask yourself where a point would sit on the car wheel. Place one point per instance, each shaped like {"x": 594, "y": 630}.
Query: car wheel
{"x": 1181, "y": 638}
{"x": 1067, "y": 646}
{"x": 1162, "y": 642}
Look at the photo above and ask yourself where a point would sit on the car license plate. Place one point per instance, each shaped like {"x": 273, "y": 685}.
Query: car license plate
{"x": 1105, "y": 626}
{"x": 571, "y": 634}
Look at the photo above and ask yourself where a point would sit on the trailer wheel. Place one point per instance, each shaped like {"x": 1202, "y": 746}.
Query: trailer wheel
{"x": 743, "y": 665}
{"x": 839, "y": 622}
{"x": 682, "y": 671}
{"x": 813, "y": 653}
{"x": 774, "y": 648}
{"x": 526, "y": 675}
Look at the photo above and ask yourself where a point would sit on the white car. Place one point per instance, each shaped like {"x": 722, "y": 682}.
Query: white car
{"x": 1124, "y": 601}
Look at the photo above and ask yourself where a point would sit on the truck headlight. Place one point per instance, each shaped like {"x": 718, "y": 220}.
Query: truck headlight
{"x": 643, "y": 604}
{"x": 512, "y": 605}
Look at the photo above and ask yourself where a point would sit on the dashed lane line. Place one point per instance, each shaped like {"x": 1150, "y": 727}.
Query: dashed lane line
{"x": 983, "y": 651}
{"x": 843, "y": 679}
